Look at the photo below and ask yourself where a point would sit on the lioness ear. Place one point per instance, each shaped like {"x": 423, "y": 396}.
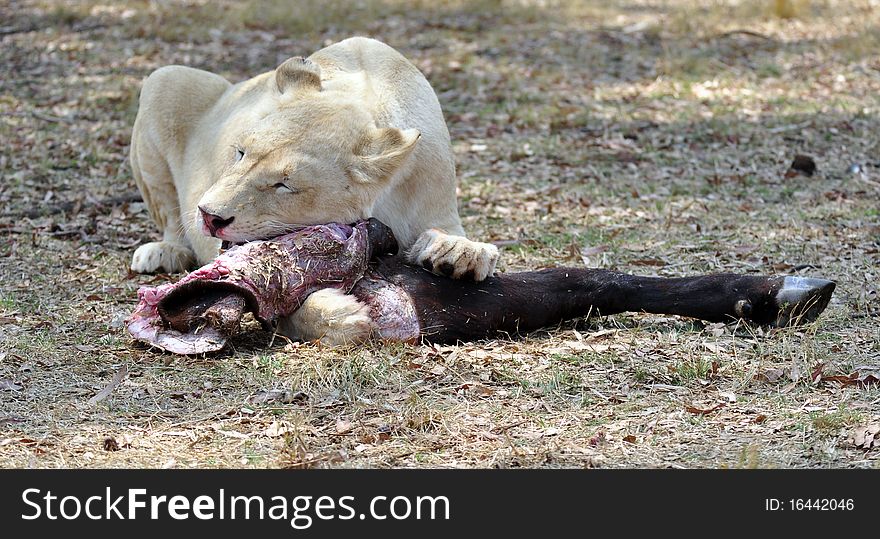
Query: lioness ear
{"x": 298, "y": 72}
{"x": 383, "y": 151}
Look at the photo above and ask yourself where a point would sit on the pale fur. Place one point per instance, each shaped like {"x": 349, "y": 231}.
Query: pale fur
{"x": 333, "y": 318}
{"x": 351, "y": 132}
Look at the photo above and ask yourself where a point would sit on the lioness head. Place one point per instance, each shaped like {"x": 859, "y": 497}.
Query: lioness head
{"x": 314, "y": 159}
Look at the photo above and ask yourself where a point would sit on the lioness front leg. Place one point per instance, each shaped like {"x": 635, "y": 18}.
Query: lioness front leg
{"x": 172, "y": 100}
{"x": 453, "y": 256}
{"x": 156, "y": 185}
{"x": 331, "y": 316}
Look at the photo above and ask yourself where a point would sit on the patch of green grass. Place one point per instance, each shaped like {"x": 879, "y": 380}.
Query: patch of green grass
{"x": 7, "y": 302}
{"x": 270, "y": 364}
{"x": 768, "y": 69}
{"x": 642, "y": 375}
{"x": 559, "y": 383}
{"x": 573, "y": 359}
{"x": 690, "y": 369}
{"x": 830, "y": 423}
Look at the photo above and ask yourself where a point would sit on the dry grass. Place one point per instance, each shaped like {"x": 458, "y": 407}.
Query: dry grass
{"x": 645, "y": 136}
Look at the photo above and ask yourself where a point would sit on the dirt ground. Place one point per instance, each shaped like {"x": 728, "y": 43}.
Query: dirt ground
{"x": 646, "y": 136}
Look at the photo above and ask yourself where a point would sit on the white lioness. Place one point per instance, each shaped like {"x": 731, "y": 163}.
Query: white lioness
{"x": 353, "y": 131}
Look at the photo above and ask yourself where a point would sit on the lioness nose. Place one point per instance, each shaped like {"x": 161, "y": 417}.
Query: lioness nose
{"x": 214, "y": 222}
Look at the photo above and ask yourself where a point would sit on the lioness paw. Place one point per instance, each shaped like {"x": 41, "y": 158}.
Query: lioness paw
{"x": 168, "y": 256}
{"x": 331, "y": 316}
{"x": 453, "y": 256}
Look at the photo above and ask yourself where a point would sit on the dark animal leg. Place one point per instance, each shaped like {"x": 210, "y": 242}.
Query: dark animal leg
{"x": 521, "y": 302}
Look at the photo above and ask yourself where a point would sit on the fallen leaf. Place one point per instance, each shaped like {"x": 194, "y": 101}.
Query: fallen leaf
{"x": 770, "y": 375}
{"x": 728, "y": 395}
{"x": 656, "y": 262}
{"x": 343, "y": 426}
{"x": 587, "y": 252}
{"x": 816, "y": 375}
{"x": 869, "y": 380}
{"x": 714, "y": 348}
{"x": 284, "y": 396}
{"x": 629, "y": 438}
{"x": 577, "y": 345}
{"x": 276, "y": 429}
{"x": 232, "y": 433}
{"x": 110, "y": 444}
{"x": 700, "y": 411}
{"x": 788, "y": 387}
{"x": 716, "y": 330}
{"x": 760, "y": 418}
{"x": 855, "y": 379}
{"x": 9, "y": 385}
{"x": 475, "y": 388}
{"x": 865, "y": 436}
{"x": 385, "y": 432}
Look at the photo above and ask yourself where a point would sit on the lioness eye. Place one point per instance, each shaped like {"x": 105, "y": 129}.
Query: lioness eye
{"x": 239, "y": 154}
{"x": 283, "y": 187}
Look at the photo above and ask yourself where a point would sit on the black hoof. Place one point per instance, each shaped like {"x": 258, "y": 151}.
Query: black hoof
{"x": 801, "y": 300}
{"x": 381, "y": 238}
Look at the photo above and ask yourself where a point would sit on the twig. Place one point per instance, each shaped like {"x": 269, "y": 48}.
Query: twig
{"x": 39, "y": 115}
{"x": 49, "y": 118}
{"x": 10, "y": 30}
{"x": 745, "y": 33}
{"x": 790, "y": 127}
{"x": 501, "y": 430}
{"x": 117, "y": 379}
